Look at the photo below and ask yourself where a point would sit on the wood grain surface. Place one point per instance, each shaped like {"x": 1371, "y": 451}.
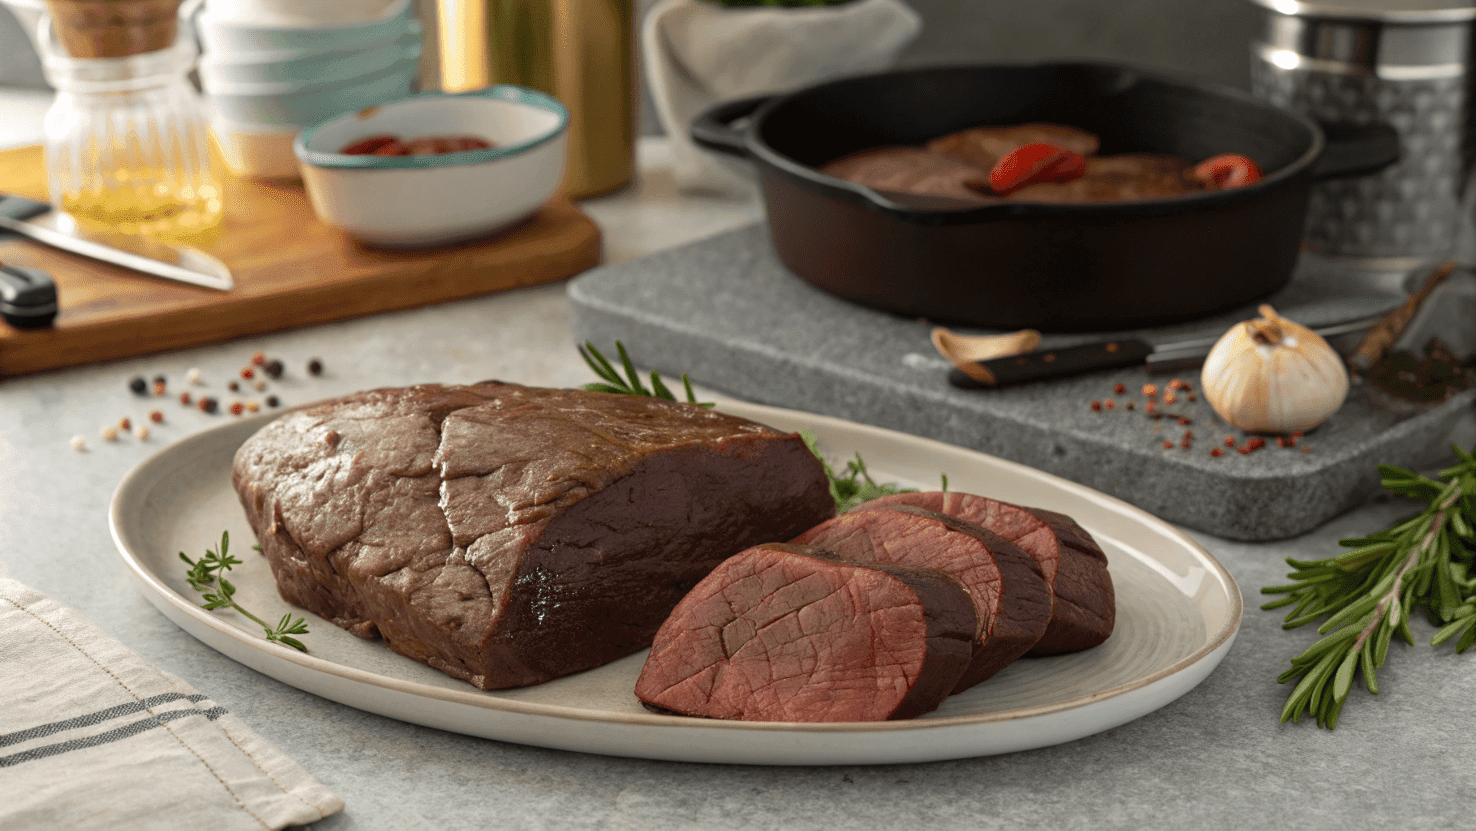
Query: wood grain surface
{"x": 290, "y": 270}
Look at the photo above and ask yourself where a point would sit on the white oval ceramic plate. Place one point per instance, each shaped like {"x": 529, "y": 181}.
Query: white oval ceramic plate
{"x": 1177, "y": 614}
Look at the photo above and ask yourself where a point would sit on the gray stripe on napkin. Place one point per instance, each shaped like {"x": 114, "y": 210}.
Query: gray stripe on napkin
{"x": 95, "y": 718}
{"x": 124, "y": 732}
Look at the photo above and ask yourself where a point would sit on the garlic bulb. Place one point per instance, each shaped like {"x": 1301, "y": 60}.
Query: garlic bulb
{"x": 1270, "y": 375}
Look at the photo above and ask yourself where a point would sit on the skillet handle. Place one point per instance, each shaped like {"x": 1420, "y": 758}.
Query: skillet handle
{"x": 713, "y": 127}
{"x": 1356, "y": 150}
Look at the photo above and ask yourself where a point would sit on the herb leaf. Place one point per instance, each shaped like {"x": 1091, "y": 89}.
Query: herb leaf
{"x": 207, "y": 576}
{"x": 630, "y": 384}
{"x": 1367, "y": 593}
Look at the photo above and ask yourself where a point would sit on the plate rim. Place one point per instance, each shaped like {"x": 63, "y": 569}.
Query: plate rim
{"x": 160, "y": 591}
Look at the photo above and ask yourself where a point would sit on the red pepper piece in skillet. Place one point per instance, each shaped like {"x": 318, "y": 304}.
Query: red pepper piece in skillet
{"x": 1035, "y": 163}
{"x": 1227, "y": 170}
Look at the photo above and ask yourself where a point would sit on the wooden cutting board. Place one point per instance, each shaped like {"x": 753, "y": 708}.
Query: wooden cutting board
{"x": 289, "y": 269}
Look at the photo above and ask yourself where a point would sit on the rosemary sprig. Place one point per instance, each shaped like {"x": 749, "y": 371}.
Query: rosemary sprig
{"x": 207, "y": 576}
{"x": 631, "y": 383}
{"x": 1367, "y": 593}
{"x": 855, "y": 485}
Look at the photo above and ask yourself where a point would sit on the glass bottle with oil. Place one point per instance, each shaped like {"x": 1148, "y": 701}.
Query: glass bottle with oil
{"x": 127, "y": 145}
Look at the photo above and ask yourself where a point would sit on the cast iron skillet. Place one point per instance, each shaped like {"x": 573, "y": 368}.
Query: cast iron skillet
{"x": 1052, "y": 267}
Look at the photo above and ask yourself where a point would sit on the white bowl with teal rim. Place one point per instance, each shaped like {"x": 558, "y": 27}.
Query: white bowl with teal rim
{"x": 298, "y": 104}
{"x": 416, "y": 201}
{"x": 221, "y": 36}
{"x": 307, "y": 66}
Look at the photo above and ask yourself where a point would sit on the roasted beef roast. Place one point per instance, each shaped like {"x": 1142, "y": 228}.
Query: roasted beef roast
{"x": 508, "y": 535}
{"x": 1011, "y": 598}
{"x": 1084, "y": 610}
{"x": 792, "y": 633}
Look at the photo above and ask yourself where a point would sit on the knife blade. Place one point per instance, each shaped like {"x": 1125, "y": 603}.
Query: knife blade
{"x": 37, "y": 221}
{"x": 1045, "y": 364}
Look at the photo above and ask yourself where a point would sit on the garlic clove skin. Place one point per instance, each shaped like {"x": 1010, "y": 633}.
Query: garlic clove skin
{"x": 1272, "y": 375}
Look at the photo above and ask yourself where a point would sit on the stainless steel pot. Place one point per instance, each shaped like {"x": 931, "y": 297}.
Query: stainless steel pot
{"x": 1403, "y": 63}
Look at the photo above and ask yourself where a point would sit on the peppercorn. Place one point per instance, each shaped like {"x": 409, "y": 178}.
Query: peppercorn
{"x": 1109, "y": 404}
{"x": 1167, "y": 444}
{"x": 315, "y": 367}
{"x": 208, "y": 404}
{"x": 233, "y": 386}
{"x": 258, "y": 358}
{"x": 141, "y": 432}
{"x": 247, "y": 372}
{"x": 271, "y": 401}
{"x": 125, "y": 424}
{"x": 1170, "y": 398}
{"x": 138, "y": 385}
{"x": 1150, "y": 390}
{"x": 193, "y": 376}
{"x": 79, "y": 442}
{"x": 184, "y": 398}
{"x": 109, "y": 433}
{"x": 237, "y": 408}
{"x": 1119, "y": 388}
{"x": 259, "y": 385}
{"x": 1097, "y": 406}
{"x": 1229, "y": 441}
{"x": 156, "y": 417}
{"x": 1131, "y": 406}
{"x": 252, "y": 406}
{"x": 274, "y": 368}
{"x": 1217, "y": 452}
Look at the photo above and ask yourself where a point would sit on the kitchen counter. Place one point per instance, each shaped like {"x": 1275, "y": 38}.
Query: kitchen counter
{"x": 1215, "y": 758}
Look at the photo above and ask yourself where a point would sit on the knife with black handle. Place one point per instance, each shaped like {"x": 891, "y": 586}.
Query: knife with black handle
{"x": 1045, "y": 364}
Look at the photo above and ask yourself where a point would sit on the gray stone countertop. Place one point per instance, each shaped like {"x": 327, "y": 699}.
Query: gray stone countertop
{"x": 1215, "y": 758}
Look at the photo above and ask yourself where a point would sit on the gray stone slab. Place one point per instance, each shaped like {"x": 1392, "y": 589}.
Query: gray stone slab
{"x": 727, "y": 313}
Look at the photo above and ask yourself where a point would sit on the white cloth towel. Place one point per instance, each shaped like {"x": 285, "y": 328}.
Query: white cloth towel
{"x": 697, "y": 54}
{"x": 91, "y": 736}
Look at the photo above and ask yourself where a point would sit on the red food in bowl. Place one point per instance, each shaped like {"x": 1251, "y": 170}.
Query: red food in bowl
{"x": 426, "y": 146}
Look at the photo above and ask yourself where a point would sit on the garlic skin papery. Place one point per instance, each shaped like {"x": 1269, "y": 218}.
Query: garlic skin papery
{"x": 1270, "y": 375}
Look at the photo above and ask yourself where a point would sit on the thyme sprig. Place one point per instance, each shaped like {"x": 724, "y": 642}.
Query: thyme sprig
{"x": 1368, "y": 593}
{"x": 631, "y": 383}
{"x": 207, "y": 576}
{"x": 855, "y": 485}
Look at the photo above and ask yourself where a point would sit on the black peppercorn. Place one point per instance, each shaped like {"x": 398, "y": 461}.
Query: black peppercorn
{"x": 271, "y": 401}
{"x": 315, "y": 367}
{"x": 138, "y": 385}
{"x": 273, "y": 368}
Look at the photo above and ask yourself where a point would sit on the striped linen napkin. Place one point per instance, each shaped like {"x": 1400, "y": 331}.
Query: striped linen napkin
{"x": 91, "y": 736}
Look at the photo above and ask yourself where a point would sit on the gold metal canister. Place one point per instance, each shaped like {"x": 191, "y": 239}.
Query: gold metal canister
{"x": 579, "y": 51}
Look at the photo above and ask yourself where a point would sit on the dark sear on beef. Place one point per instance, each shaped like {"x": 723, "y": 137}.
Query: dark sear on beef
{"x": 792, "y": 633}
{"x": 508, "y": 535}
{"x": 1011, "y": 598}
{"x": 1085, "y": 609}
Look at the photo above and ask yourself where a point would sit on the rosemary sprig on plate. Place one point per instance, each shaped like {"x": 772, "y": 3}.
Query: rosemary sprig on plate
{"x": 855, "y": 486}
{"x": 1367, "y": 593}
{"x": 631, "y": 383}
{"x": 207, "y": 576}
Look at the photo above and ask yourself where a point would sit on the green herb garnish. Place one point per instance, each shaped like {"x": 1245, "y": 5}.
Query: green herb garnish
{"x": 631, "y": 384}
{"x": 855, "y": 485}
{"x": 207, "y": 576}
{"x": 1368, "y": 593}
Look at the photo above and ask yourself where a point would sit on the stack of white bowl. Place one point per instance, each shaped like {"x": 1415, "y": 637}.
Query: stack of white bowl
{"x": 271, "y": 67}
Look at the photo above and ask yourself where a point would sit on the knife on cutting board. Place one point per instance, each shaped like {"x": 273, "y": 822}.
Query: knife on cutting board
{"x": 1045, "y": 364}
{"x": 37, "y": 221}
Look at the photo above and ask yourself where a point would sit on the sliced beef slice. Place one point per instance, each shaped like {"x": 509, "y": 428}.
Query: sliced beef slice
{"x": 983, "y": 147}
{"x": 1084, "y": 609}
{"x": 1011, "y": 598}
{"x": 916, "y": 171}
{"x": 508, "y": 535}
{"x": 1128, "y": 177}
{"x": 792, "y": 633}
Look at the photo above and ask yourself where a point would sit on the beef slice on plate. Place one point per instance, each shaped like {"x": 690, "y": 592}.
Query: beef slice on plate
{"x": 1084, "y": 610}
{"x": 1012, "y": 601}
{"x": 792, "y": 633}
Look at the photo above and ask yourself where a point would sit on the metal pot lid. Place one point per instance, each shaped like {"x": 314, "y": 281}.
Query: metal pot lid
{"x": 1385, "y": 11}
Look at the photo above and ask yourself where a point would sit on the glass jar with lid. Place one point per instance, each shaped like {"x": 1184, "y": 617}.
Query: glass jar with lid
{"x": 126, "y": 142}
